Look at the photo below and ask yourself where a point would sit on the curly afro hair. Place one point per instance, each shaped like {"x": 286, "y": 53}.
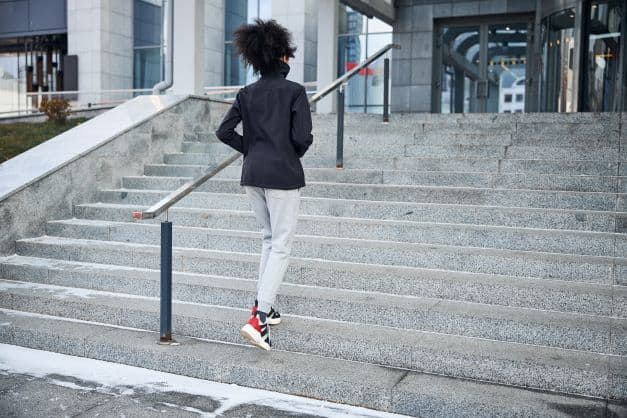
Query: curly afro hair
{"x": 262, "y": 44}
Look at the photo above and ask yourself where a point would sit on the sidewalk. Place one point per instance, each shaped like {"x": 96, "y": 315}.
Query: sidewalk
{"x": 37, "y": 383}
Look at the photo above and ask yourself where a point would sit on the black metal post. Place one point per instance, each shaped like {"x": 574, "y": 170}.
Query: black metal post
{"x": 339, "y": 162}
{"x": 386, "y": 90}
{"x": 166, "y": 283}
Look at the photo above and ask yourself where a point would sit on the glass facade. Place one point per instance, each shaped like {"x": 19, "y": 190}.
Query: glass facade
{"x": 602, "y": 56}
{"x": 12, "y": 81}
{"x": 557, "y": 70}
{"x": 507, "y": 67}
{"x": 582, "y": 66}
{"x": 236, "y": 13}
{"x": 147, "y": 44}
{"x": 483, "y": 67}
{"x": 358, "y": 38}
{"x": 460, "y": 69}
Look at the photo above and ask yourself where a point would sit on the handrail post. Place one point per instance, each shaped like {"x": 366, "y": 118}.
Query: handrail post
{"x": 339, "y": 161}
{"x": 165, "y": 336}
{"x": 386, "y": 90}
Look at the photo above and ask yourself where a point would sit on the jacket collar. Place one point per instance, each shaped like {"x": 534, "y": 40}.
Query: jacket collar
{"x": 282, "y": 71}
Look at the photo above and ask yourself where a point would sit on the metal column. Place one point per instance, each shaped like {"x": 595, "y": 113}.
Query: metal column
{"x": 166, "y": 284}
{"x": 386, "y": 90}
{"x": 339, "y": 161}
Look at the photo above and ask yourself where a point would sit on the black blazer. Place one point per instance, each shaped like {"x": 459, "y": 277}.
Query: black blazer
{"x": 276, "y": 131}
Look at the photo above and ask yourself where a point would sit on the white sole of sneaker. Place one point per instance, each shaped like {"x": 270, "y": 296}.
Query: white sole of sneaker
{"x": 253, "y": 337}
{"x": 273, "y": 321}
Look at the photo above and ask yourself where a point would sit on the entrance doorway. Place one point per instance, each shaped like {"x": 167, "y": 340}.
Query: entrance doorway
{"x": 482, "y": 67}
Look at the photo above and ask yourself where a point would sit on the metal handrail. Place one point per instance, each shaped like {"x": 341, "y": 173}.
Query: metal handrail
{"x": 174, "y": 197}
{"x": 338, "y": 82}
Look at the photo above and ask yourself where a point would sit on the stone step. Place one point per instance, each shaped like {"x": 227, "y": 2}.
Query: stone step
{"x": 505, "y": 152}
{"x": 524, "y": 239}
{"x": 443, "y": 151}
{"x": 473, "y": 136}
{"x": 403, "y": 193}
{"x": 230, "y": 244}
{"x": 541, "y": 218}
{"x": 357, "y": 383}
{"x": 543, "y": 294}
{"x": 420, "y": 178}
{"x": 599, "y": 334}
{"x": 465, "y": 164}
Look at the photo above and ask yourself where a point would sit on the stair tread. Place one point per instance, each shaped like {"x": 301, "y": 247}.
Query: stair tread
{"x": 119, "y": 301}
{"x": 373, "y": 170}
{"x": 395, "y": 186}
{"x": 200, "y": 278}
{"x": 369, "y": 243}
{"x": 358, "y": 383}
{"x": 369, "y": 202}
{"x": 353, "y": 220}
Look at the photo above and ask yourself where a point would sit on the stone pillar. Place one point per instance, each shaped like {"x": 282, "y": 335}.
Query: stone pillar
{"x": 117, "y": 44}
{"x": 100, "y": 32}
{"x": 301, "y": 18}
{"x": 214, "y": 42}
{"x": 189, "y": 47}
{"x": 327, "y": 51}
{"x": 84, "y": 40}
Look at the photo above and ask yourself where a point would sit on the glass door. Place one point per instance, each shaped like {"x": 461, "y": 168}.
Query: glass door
{"x": 483, "y": 67}
{"x": 601, "y": 76}
{"x": 507, "y": 68}
{"x": 460, "y": 70}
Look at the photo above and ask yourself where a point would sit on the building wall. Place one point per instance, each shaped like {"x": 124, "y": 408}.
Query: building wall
{"x": 100, "y": 32}
{"x": 214, "y": 42}
{"x": 413, "y": 30}
{"x": 301, "y": 18}
{"x": 117, "y": 44}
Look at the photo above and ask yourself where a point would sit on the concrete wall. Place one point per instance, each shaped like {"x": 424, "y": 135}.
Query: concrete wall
{"x": 214, "y": 42}
{"x": 100, "y": 32}
{"x": 40, "y": 184}
{"x": 412, "y": 76}
{"x": 301, "y": 18}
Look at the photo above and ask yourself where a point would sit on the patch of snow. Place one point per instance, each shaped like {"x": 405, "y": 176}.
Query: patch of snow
{"x": 14, "y": 359}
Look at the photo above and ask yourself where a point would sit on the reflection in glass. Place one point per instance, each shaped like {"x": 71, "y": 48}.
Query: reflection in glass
{"x": 460, "y": 69}
{"x": 558, "y": 82}
{"x": 602, "y": 57}
{"x": 507, "y": 60}
{"x": 236, "y": 13}
{"x": 12, "y": 81}
{"x": 146, "y": 67}
{"x": 147, "y": 51}
{"x": 359, "y": 38}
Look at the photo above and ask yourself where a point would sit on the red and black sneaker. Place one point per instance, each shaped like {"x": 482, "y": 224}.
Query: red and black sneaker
{"x": 273, "y": 317}
{"x": 256, "y": 331}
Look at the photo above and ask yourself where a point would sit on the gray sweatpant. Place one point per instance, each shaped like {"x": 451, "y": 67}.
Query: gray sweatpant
{"x": 276, "y": 212}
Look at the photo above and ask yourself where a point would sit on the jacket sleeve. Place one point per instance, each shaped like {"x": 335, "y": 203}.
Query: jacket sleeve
{"x": 226, "y": 131}
{"x": 301, "y": 124}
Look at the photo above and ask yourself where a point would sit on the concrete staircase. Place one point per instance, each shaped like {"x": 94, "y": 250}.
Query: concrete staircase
{"x": 459, "y": 266}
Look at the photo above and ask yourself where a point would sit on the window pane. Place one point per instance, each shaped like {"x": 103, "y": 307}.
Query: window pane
{"x": 507, "y": 60}
{"x": 602, "y": 57}
{"x": 235, "y": 13}
{"x": 146, "y": 68}
{"x": 557, "y": 84}
{"x": 146, "y": 24}
{"x": 12, "y": 83}
{"x": 460, "y": 69}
